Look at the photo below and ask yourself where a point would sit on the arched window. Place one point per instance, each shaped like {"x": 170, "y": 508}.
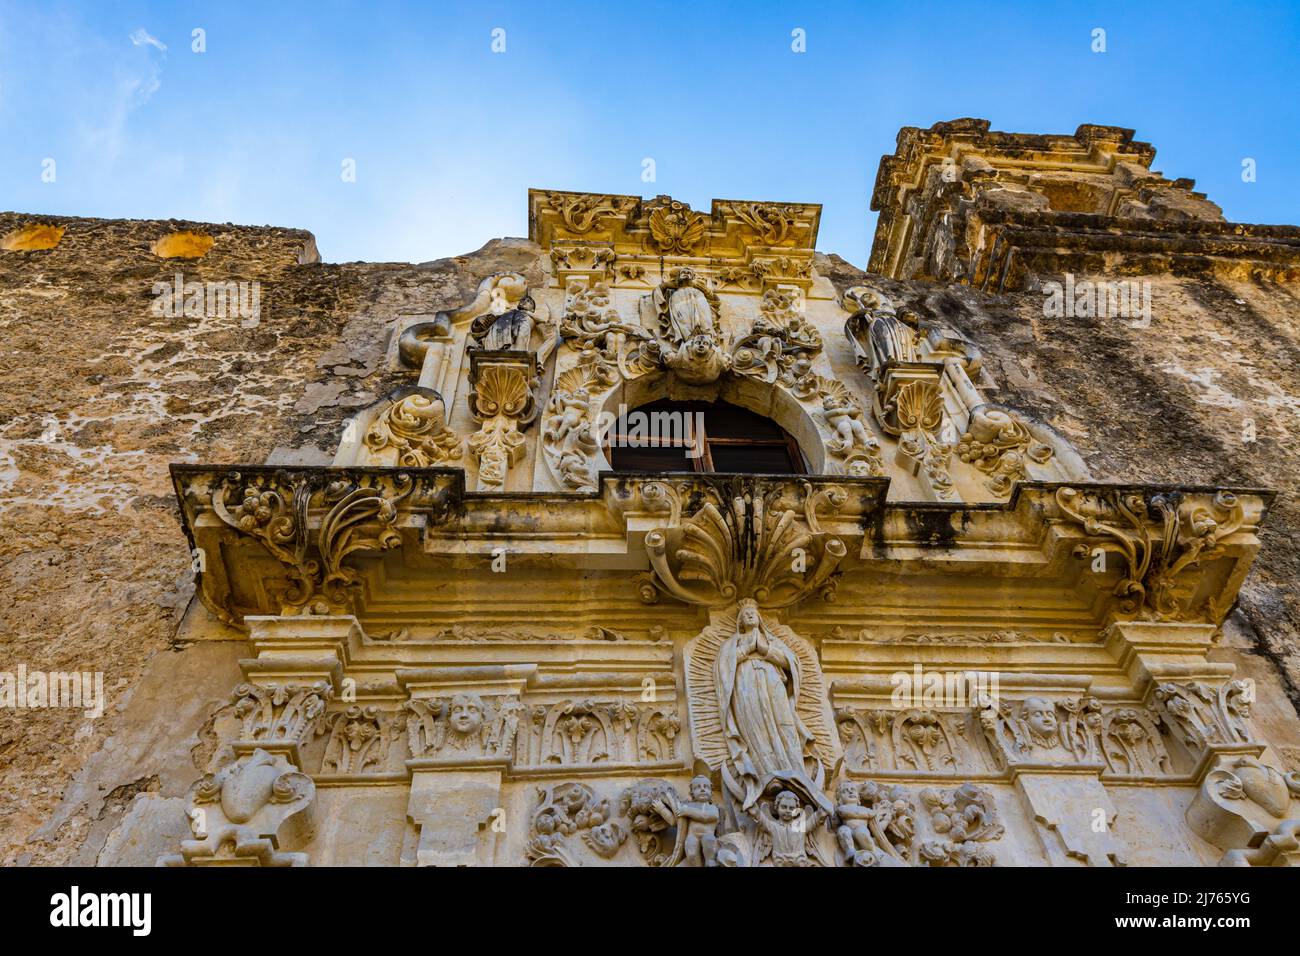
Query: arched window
{"x": 703, "y": 437}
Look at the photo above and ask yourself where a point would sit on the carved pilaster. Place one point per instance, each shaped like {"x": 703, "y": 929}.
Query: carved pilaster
{"x": 503, "y": 399}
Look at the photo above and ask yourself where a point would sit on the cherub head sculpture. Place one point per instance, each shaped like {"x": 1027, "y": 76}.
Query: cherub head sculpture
{"x": 1040, "y": 717}
{"x": 466, "y": 715}
{"x": 701, "y": 789}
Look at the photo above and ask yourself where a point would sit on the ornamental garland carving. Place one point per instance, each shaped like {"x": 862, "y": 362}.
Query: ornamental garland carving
{"x": 781, "y": 344}
{"x": 564, "y": 810}
{"x": 570, "y": 433}
{"x": 591, "y": 325}
{"x": 1162, "y": 539}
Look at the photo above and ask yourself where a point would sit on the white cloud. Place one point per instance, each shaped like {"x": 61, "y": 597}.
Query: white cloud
{"x": 142, "y": 37}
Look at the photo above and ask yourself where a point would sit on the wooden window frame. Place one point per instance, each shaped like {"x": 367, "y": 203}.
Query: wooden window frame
{"x": 702, "y": 463}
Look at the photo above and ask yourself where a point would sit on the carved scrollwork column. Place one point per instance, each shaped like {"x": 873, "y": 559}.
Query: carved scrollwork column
{"x": 504, "y": 401}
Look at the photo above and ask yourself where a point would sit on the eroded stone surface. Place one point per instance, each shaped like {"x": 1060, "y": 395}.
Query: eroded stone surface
{"x": 493, "y": 366}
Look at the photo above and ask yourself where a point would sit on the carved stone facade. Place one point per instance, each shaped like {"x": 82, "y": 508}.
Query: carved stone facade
{"x": 946, "y": 643}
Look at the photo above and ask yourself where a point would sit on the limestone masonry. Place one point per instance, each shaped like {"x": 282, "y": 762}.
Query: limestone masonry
{"x": 661, "y": 539}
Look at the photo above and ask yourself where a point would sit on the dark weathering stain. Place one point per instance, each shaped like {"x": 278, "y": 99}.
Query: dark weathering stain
{"x": 934, "y": 527}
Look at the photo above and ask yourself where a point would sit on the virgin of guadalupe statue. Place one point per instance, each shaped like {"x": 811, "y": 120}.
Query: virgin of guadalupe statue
{"x": 757, "y": 679}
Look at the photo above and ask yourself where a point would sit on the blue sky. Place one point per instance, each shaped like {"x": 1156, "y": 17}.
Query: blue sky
{"x": 448, "y": 136}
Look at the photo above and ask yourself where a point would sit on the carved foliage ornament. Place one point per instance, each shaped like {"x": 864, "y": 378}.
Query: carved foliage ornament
{"x": 273, "y": 508}
{"x": 570, "y": 433}
{"x": 772, "y": 223}
{"x": 582, "y": 212}
{"x": 999, "y": 444}
{"x": 1161, "y": 538}
{"x": 781, "y": 344}
{"x": 1202, "y": 715}
{"x": 415, "y": 429}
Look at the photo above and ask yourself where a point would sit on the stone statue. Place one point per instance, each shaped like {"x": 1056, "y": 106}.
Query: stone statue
{"x": 757, "y": 679}
{"x": 853, "y": 832}
{"x": 880, "y": 331}
{"x": 503, "y": 328}
{"x": 697, "y": 820}
{"x": 789, "y": 829}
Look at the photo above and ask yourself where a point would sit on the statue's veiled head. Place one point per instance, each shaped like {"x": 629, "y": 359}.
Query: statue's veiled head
{"x": 748, "y": 617}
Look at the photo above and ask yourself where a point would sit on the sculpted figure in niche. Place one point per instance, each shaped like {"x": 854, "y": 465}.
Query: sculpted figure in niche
{"x": 757, "y": 679}
{"x": 504, "y": 328}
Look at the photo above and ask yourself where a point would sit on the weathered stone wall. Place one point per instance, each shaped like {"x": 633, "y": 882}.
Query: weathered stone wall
{"x": 97, "y": 396}
{"x": 1207, "y": 394}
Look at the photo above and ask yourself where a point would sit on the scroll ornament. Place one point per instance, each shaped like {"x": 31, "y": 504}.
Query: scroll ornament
{"x": 1161, "y": 538}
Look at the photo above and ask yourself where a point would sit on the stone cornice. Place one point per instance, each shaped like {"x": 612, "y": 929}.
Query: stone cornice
{"x": 662, "y": 228}
{"x": 270, "y": 539}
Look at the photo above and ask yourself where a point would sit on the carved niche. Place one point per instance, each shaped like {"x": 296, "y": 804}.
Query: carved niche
{"x": 503, "y": 399}
{"x": 758, "y": 709}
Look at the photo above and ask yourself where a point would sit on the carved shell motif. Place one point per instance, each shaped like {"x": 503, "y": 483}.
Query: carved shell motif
{"x": 676, "y": 229}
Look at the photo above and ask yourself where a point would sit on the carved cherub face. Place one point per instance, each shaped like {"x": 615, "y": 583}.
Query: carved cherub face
{"x": 701, "y": 790}
{"x": 700, "y": 345}
{"x": 787, "y": 806}
{"x": 847, "y": 793}
{"x": 465, "y": 714}
{"x": 1040, "y": 715}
